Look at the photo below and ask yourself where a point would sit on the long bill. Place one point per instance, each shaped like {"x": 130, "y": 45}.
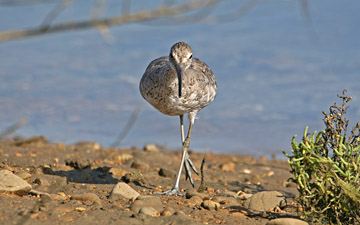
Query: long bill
{"x": 180, "y": 73}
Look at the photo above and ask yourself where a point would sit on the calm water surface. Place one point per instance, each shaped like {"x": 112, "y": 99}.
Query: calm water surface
{"x": 275, "y": 73}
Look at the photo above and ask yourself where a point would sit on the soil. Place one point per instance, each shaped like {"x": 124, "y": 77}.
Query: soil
{"x": 58, "y": 172}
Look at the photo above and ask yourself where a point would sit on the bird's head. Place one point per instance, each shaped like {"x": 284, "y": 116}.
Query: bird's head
{"x": 180, "y": 58}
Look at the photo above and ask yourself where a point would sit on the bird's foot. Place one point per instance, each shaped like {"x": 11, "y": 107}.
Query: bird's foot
{"x": 173, "y": 191}
{"x": 188, "y": 167}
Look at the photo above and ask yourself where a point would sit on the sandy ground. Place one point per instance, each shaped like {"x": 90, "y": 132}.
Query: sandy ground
{"x": 64, "y": 171}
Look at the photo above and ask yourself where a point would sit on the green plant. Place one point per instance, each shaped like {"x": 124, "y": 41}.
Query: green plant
{"x": 326, "y": 169}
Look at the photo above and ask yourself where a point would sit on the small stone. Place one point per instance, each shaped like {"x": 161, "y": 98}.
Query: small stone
{"x": 146, "y": 201}
{"x": 225, "y": 200}
{"x": 80, "y": 209}
{"x": 78, "y": 163}
{"x": 286, "y": 221}
{"x": 139, "y": 165}
{"x": 244, "y": 196}
{"x": 180, "y": 213}
{"x": 210, "y": 205}
{"x": 263, "y": 201}
{"x": 167, "y": 173}
{"x": 24, "y": 175}
{"x": 246, "y": 171}
{"x": 117, "y": 171}
{"x": 150, "y": 211}
{"x": 229, "y": 194}
{"x": 91, "y": 197}
{"x": 151, "y": 148}
{"x": 168, "y": 211}
{"x": 228, "y": 167}
{"x": 195, "y": 200}
{"x": 9, "y": 182}
{"x": 124, "y": 190}
{"x": 191, "y": 193}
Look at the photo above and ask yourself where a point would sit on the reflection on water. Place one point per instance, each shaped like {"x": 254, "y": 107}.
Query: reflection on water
{"x": 275, "y": 76}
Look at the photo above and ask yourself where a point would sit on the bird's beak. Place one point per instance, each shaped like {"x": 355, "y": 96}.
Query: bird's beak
{"x": 180, "y": 68}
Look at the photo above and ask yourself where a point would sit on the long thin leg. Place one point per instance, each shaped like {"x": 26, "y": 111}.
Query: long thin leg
{"x": 185, "y": 160}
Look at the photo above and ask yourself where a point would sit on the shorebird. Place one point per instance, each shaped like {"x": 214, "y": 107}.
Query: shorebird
{"x": 175, "y": 85}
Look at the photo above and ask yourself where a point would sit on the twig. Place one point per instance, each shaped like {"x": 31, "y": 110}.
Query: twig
{"x": 202, "y": 186}
{"x": 20, "y": 123}
{"x": 117, "y": 20}
{"x": 130, "y": 123}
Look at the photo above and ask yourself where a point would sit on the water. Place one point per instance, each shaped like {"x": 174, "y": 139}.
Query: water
{"x": 275, "y": 73}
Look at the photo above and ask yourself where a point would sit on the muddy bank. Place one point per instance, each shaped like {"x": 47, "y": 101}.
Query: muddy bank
{"x": 74, "y": 184}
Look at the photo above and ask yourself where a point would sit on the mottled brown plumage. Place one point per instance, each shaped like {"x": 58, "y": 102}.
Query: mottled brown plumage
{"x": 175, "y": 85}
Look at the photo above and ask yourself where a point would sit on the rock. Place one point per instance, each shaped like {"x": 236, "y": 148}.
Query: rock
{"x": 168, "y": 211}
{"x": 195, "y": 200}
{"x": 47, "y": 180}
{"x": 91, "y": 197}
{"x": 210, "y": 205}
{"x": 79, "y": 163}
{"x": 263, "y": 201}
{"x": 24, "y": 175}
{"x": 244, "y": 196}
{"x": 150, "y": 211}
{"x": 146, "y": 201}
{"x": 134, "y": 177}
{"x": 124, "y": 190}
{"x": 286, "y": 221}
{"x": 151, "y": 148}
{"x": 225, "y": 200}
{"x": 9, "y": 182}
{"x": 229, "y": 194}
{"x": 139, "y": 165}
{"x": 228, "y": 167}
{"x": 167, "y": 173}
{"x": 117, "y": 171}
{"x": 191, "y": 193}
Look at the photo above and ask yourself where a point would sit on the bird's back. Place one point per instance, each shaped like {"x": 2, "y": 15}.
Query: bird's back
{"x": 159, "y": 86}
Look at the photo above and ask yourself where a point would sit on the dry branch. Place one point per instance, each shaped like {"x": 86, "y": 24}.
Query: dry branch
{"x": 163, "y": 11}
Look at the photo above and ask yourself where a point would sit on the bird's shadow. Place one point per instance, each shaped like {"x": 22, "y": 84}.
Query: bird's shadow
{"x": 88, "y": 175}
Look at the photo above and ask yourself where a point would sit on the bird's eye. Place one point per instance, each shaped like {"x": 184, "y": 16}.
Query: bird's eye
{"x": 190, "y": 57}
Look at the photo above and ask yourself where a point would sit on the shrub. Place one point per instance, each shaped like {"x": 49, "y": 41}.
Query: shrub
{"x": 326, "y": 168}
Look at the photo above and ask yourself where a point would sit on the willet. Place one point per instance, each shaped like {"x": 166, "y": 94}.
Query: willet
{"x": 175, "y": 85}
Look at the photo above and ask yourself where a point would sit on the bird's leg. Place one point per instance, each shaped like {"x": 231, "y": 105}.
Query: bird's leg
{"x": 188, "y": 163}
{"x": 176, "y": 189}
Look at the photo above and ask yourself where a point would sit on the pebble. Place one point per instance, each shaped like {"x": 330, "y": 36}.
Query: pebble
{"x": 117, "y": 171}
{"x": 9, "y": 182}
{"x": 151, "y": 148}
{"x": 91, "y": 197}
{"x": 167, "y": 173}
{"x": 244, "y": 196}
{"x": 229, "y": 194}
{"x": 263, "y": 201}
{"x": 150, "y": 211}
{"x": 228, "y": 167}
{"x": 286, "y": 221}
{"x": 24, "y": 175}
{"x": 195, "y": 200}
{"x": 191, "y": 193}
{"x": 210, "y": 205}
{"x": 225, "y": 200}
{"x": 139, "y": 165}
{"x": 168, "y": 211}
{"x": 79, "y": 163}
{"x": 47, "y": 180}
{"x": 124, "y": 190}
{"x": 146, "y": 201}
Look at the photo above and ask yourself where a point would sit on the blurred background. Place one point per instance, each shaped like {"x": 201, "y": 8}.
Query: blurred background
{"x": 278, "y": 64}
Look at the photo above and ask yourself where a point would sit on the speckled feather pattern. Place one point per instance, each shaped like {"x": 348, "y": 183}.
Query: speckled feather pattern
{"x": 159, "y": 86}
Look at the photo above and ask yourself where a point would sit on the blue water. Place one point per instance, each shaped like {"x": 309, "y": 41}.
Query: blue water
{"x": 276, "y": 73}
